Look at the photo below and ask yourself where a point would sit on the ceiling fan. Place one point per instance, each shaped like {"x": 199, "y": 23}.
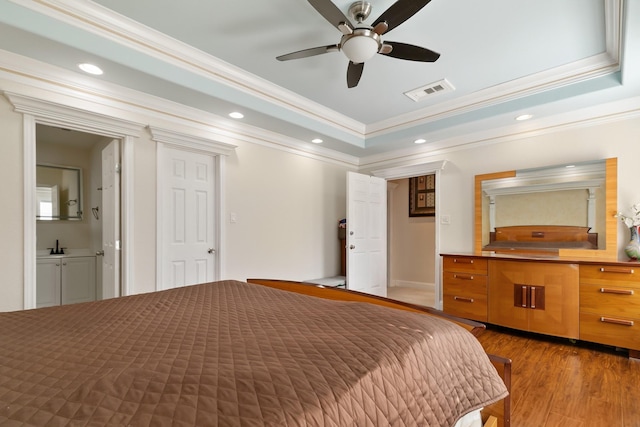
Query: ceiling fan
{"x": 362, "y": 42}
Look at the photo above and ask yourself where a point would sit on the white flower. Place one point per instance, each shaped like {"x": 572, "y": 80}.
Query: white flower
{"x": 631, "y": 220}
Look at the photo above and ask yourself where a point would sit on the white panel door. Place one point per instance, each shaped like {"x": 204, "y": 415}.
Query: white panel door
{"x": 111, "y": 220}
{"x": 367, "y": 234}
{"x": 187, "y": 218}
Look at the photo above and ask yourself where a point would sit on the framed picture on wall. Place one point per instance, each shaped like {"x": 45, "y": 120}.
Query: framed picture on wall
{"x": 422, "y": 195}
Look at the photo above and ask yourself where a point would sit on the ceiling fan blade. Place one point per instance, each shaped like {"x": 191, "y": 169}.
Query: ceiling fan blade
{"x": 354, "y": 72}
{"x": 399, "y": 12}
{"x": 309, "y": 52}
{"x": 331, "y": 13}
{"x": 409, "y": 52}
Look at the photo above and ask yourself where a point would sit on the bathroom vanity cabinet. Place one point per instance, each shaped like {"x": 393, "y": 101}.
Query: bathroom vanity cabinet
{"x": 65, "y": 280}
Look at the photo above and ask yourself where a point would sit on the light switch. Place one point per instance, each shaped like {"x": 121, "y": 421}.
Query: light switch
{"x": 233, "y": 217}
{"x": 445, "y": 219}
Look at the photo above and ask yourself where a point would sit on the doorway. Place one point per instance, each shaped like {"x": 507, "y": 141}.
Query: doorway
{"x": 409, "y": 171}
{"x": 69, "y": 242}
{"x": 411, "y": 249}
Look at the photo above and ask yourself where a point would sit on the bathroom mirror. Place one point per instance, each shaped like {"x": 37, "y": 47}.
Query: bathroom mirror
{"x": 571, "y": 195}
{"x": 58, "y": 193}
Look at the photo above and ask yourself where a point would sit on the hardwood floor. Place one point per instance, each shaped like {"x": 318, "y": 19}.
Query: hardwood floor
{"x": 558, "y": 383}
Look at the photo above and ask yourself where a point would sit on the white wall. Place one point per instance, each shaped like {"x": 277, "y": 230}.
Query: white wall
{"x": 287, "y": 208}
{"x": 619, "y": 139}
{"x": 11, "y": 220}
{"x": 288, "y": 205}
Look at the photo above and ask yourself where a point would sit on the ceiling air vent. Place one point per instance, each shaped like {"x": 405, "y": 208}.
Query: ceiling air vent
{"x": 435, "y": 88}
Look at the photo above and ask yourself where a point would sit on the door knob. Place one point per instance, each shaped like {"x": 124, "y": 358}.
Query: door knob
{"x": 99, "y": 253}
{"x": 352, "y": 247}
{"x": 211, "y": 251}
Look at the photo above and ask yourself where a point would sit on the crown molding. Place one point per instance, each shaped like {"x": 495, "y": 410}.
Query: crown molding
{"x": 102, "y": 21}
{"x": 49, "y": 85}
{"x": 110, "y": 25}
{"x": 589, "y": 68}
{"x": 596, "y": 66}
{"x": 589, "y": 116}
{"x": 191, "y": 142}
{"x": 409, "y": 171}
{"x": 55, "y": 114}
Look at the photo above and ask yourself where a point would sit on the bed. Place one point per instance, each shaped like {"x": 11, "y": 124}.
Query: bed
{"x": 233, "y": 353}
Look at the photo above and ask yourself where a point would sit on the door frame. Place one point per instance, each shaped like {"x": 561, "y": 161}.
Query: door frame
{"x": 410, "y": 171}
{"x": 36, "y": 111}
{"x": 219, "y": 150}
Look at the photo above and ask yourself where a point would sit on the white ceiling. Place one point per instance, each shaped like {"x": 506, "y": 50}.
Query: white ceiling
{"x": 503, "y": 57}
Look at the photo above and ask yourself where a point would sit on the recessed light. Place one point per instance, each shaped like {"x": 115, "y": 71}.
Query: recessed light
{"x": 420, "y": 141}
{"x": 524, "y": 117}
{"x": 236, "y": 115}
{"x": 90, "y": 68}
{"x": 316, "y": 141}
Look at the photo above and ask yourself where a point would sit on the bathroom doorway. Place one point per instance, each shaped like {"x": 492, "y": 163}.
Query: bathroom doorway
{"x": 70, "y": 245}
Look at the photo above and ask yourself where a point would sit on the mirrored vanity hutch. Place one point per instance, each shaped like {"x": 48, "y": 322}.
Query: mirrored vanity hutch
{"x": 545, "y": 257}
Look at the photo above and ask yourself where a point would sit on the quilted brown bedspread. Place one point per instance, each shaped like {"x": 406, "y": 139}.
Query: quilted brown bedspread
{"x": 235, "y": 354}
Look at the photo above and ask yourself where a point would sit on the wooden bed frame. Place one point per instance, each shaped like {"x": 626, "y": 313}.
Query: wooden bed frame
{"x": 495, "y": 415}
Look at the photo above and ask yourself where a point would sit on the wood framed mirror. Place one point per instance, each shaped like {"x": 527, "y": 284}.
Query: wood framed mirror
{"x": 599, "y": 185}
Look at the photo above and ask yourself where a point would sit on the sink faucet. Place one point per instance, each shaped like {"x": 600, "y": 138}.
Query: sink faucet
{"x": 57, "y": 251}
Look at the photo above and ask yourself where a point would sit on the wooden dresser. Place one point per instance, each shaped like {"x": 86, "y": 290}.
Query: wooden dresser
{"x": 578, "y": 299}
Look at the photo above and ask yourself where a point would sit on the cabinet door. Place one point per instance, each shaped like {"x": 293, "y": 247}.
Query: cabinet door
{"x": 503, "y": 277}
{"x": 512, "y": 285}
{"x": 561, "y": 315}
{"x": 78, "y": 280}
{"x": 48, "y": 282}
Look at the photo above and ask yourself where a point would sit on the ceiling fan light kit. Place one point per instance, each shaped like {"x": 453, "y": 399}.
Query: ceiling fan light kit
{"x": 361, "y": 43}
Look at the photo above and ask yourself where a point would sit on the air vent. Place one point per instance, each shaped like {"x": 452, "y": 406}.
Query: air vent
{"x": 432, "y": 89}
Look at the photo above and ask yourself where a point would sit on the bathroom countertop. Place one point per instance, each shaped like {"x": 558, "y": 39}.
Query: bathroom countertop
{"x": 68, "y": 253}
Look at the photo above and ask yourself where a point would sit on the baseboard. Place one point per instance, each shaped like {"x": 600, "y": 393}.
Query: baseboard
{"x": 415, "y": 285}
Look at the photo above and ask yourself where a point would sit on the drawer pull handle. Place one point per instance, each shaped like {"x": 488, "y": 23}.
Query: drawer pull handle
{"x": 616, "y": 270}
{"x": 533, "y": 297}
{"x": 462, "y": 261}
{"x": 463, "y": 276}
{"x": 616, "y": 291}
{"x": 616, "y": 321}
{"x": 463, "y": 299}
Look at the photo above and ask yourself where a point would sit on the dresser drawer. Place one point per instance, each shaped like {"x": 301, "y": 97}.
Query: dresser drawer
{"x": 610, "y": 275}
{"x": 465, "y": 264}
{"x": 469, "y": 306}
{"x": 617, "y": 331}
{"x": 453, "y": 278}
{"x": 610, "y": 299}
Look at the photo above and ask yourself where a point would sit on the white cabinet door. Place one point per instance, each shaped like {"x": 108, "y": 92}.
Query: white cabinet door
{"x": 78, "y": 279}
{"x": 48, "y": 282}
